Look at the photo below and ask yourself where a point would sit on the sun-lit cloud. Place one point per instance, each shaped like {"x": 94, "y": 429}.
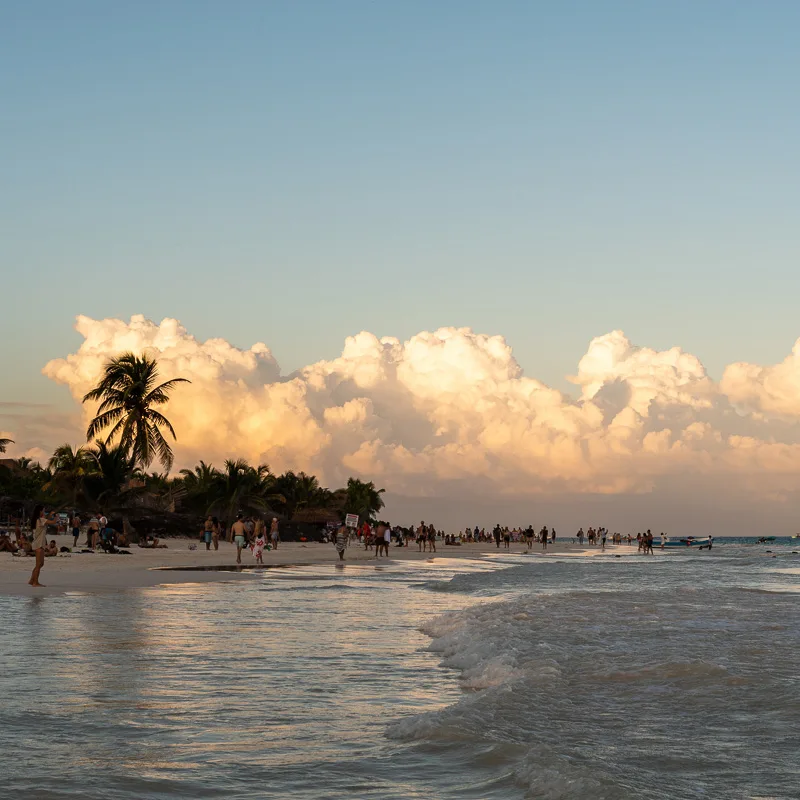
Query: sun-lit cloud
{"x": 452, "y": 408}
{"x": 773, "y": 389}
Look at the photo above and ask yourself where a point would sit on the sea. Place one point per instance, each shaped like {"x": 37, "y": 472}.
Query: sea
{"x": 618, "y": 676}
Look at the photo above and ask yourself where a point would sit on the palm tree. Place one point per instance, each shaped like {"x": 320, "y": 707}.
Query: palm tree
{"x": 200, "y": 485}
{"x": 128, "y": 394}
{"x": 158, "y": 490}
{"x": 5, "y": 443}
{"x": 115, "y": 468}
{"x": 241, "y": 487}
{"x": 361, "y": 498}
{"x": 70, "y": 469}
{"x": 299, "y": 491}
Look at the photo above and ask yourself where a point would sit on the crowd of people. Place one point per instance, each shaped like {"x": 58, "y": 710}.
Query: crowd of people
{"x": 32, "y": 539}
{"x": 257, "y": 534}
{"x": 381, "y": 535}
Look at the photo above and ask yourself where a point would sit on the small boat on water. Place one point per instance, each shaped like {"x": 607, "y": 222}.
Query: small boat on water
{"x": 688, "y": 541}
{"x": 765, "y": 539}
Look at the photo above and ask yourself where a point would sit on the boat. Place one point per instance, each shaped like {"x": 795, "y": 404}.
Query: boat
{"x": 765, "y": 539}
{"x": 688, "y": 541}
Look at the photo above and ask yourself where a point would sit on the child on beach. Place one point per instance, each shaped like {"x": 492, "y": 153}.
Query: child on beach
{"x": 258, "y": 545}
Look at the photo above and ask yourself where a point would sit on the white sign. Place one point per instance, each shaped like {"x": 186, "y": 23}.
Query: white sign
{"x": 351, "y": 520}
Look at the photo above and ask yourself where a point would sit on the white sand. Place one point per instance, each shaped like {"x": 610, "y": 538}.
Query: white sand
{"x": 102, "y": 572}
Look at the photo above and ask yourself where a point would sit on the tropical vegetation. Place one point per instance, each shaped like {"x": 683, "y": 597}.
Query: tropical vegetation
{"x": 126, "y": 435}
{"x": 106, "y": 476}
{"x": 129, "y": 396}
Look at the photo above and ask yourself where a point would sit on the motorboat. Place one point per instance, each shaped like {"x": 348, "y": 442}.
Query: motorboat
{"x": 687, "y": 541}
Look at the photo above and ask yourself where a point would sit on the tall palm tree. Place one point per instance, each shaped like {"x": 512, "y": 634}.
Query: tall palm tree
{"x": 70, "y": 470}
{"x": 128, "y": 393}
{"x": 5, "y": 443}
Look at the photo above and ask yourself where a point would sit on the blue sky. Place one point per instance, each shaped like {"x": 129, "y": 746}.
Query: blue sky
{"x": 297, "y": 172}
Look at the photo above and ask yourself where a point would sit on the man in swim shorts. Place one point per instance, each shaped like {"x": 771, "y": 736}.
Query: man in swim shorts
{"x": 238, "y": 531}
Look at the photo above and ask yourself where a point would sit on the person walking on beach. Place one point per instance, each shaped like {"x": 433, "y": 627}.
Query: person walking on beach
{"x": 387, "y": 538}
{"x": 103, "y": 525}
{"x": 208, "y": 531}
{"x": 603, "y": 533}
{"x": 274, "y": 533}
{"x": 215, "y": 532}
{"x": 260, "y": 542}
{"x": 39, "y": 523}
{"x": 422, "y": 537}
{"x": 340, "y": 540}
{"x": 238, "y": 533}
{"x": 379, "y": 531}
{"x": 368, "y": 535}
{"x": 544, "y": 536}
{"x": 497, "y": 533}
{"x": 75, "y": 524}
{"x": 431, "y": 538}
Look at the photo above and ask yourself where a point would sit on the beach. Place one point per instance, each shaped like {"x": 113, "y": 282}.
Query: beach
{"x": 105, "y": 572}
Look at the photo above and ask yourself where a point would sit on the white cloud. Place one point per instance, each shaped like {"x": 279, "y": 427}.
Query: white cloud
{"x": 451, "y": 409}
{"x": 773, "y": 390}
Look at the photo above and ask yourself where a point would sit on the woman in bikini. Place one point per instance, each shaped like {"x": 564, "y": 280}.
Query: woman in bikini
{"x": 39, "y": 523}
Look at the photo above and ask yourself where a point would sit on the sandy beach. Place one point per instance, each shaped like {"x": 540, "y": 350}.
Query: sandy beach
{"x": 103, "y": 572}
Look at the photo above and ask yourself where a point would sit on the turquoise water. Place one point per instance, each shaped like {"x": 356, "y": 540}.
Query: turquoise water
{"x": 514, "y": 677}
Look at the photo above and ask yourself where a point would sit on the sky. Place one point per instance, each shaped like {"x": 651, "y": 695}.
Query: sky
{"x": 297, "y": 173}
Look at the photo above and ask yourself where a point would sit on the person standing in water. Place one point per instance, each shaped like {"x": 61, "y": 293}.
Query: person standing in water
{"x": 39, "y": 523}
{"x": 544, "y": 536}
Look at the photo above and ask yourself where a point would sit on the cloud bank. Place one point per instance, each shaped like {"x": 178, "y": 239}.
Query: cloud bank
{"x": 450, "y": 411}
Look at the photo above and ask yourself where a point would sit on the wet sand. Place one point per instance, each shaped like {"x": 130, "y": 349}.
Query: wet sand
{"x": 103, "y": 572}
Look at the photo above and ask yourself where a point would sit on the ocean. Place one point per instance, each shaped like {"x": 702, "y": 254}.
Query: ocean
{"x": 503, "y": 677}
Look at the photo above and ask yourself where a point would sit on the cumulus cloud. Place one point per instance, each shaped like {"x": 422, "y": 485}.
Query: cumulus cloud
{"x": 773, "y": 390}
{"x": 451, "y": 409}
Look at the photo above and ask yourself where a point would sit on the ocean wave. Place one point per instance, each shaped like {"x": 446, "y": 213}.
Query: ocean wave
{"x": 682, "y": 671}
{"x": 550, "y": 776}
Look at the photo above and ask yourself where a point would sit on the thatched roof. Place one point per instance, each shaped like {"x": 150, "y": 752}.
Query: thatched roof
{"x": 316, "y": 516}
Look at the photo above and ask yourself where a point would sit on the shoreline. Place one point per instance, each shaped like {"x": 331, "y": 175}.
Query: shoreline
{"x": 145, "y": 568}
